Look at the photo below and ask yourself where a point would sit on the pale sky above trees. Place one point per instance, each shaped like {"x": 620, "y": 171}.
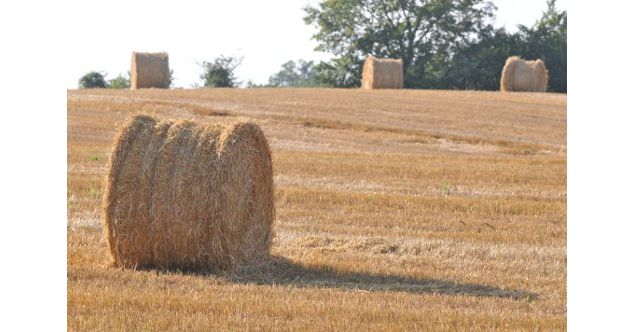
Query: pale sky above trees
{"x": 265, "y": 33}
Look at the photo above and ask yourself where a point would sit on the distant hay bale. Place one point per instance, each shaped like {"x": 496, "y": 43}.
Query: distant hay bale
{"x": 150, "y": 70}
{"x": 382, "y": 73}
{"x": 185, "y": 195}
{"x": 522, "y": 75}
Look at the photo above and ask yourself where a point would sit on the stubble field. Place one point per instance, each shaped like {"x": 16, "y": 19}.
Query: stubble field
{"x": 395, "y": 210}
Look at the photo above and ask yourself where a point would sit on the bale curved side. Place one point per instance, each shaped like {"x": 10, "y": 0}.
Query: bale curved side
{"x": 184, "y": 195}
{"x": 521, "y": 75}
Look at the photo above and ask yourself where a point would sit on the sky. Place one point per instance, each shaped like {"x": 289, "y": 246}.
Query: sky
{"x": 102, "y": 35}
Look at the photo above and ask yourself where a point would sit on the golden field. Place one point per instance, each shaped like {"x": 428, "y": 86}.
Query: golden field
{"x": 395, "y": 210}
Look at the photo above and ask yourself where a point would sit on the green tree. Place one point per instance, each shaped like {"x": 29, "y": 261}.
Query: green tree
{"x": 419, "y": 32}
{"x": 335, "y": 73}
{"x": 342, "y": 72}
{"x": 291, "y": 74}
{"x": 93, "y": 79}
{"x": 287, "y": 76}
{"x": 547, "y": 39}
{"x": 251, "y": 84}
{"x": 220, "y": 72}
{"x": 302, "y": 74}
{"x": 120, "y": 82}
{"x": 477, "y": 64}
{"x": 170, "y": 78}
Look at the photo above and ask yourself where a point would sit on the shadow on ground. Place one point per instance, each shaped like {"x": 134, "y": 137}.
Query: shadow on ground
{"x": 282, "y": 271}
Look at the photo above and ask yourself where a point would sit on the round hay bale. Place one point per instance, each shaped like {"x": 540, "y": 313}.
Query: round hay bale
{"x": 382, "y": 73}
{"x": 150, "y": 70}
{"x": 190, "y": 196}
{"x": 522, "y": 75}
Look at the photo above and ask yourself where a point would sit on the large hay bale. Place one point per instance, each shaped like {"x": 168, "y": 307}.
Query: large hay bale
{"x": 382, "y": 73}
{"x": 522, "y": 75}
{"x": 150, "y": 70}
{"x": 190, "y": 196}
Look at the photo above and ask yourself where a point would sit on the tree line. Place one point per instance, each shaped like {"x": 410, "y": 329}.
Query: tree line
{"x": 444, "y": 44}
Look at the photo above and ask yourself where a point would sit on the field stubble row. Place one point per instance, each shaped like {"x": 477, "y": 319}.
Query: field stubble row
{"x": 394, "y": 210}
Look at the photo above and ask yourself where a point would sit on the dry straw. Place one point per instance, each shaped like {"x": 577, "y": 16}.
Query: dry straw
{"x": 185, "y": 195}
{"x": 522, "y": 75}
{"x": 150, "y": 70}
{"x": 382, "y": 73}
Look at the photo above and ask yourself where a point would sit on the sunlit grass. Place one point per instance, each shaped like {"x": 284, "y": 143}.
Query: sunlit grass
{"x": 396, "y": 210}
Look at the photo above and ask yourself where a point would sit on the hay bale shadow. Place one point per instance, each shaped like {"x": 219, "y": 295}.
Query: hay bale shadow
{"x": 279, "y": 270}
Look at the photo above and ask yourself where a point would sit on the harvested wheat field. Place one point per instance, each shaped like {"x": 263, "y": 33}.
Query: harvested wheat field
{"x": 395, "y": 210}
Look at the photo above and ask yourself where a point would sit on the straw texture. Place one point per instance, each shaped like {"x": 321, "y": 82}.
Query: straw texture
{"x": 149, "y": 70}
{"x": 382, "y": 73}
{"x": 190, "y": 196}
{"x": 522, "y": 75}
